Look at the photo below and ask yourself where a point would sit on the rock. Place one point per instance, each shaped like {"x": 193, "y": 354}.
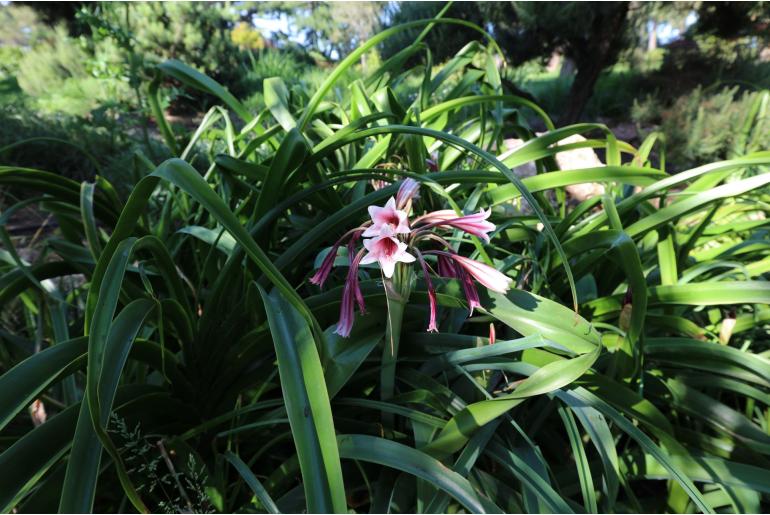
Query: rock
{"x": 567, "y": 160}
{"x": 527, "y": 169}
{"x": 576, "y": 159}
{"x": 625, "y": 131}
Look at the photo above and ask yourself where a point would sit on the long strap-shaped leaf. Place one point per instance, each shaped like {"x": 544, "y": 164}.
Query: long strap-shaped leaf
{"x": 83, "y": 466}
{"x": 582, "y": 397}
{"x": 550, "y": 377}
{"x": 25, "y": 462}
{"x": 290, "y": 154}
{"x": 99, "y": 360}
{"x": 624, "y": 206}
{"x": 627, "y": 256}
{"x": 32, "y": 455}
{"x": 410, "y": 460}
{"x": 195, "y": 79}
{"x": 251, "y": 480}
{"x": 20, "y": 385}
{"x": 668, "y": 213}
{"x": 108, "y": 359}
{"x": 457, "y": 103}
{"x": 307, "y": 405}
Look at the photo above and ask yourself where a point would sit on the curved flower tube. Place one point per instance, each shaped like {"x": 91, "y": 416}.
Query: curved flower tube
{"x": 490, "y": 277}
{"x": 475, "y": 224}
{"x": 432, "y": 327}
{"x": 350, "y": 294}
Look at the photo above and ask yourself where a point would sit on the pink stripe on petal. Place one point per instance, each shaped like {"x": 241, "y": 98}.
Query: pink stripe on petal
{"x": 387, "y": 251}
{"x": 387, "y": 220}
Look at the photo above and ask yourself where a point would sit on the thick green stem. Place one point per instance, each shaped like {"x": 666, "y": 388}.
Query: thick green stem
{"x": 397, "y": 292}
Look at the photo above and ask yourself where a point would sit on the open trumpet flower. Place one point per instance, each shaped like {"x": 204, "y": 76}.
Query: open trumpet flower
{"x": 389, "y": 238}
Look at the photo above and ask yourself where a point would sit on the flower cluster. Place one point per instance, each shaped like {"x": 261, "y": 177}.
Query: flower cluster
{"x": 390, "y": 238}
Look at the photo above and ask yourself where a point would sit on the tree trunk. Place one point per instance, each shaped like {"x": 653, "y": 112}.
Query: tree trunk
{"x": 652, "y": 36}
{"x": 598, "y": 52}
{"x": 581, "y": 90}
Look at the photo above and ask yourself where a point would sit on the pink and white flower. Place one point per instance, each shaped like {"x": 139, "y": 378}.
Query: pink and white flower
{"x": 387, "y": 251}
{"x": 388, "y": 240}
{"x": 387, "y": 218}
{"x": 475, "y": 224}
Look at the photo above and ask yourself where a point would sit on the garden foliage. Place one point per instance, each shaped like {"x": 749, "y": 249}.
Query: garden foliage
{"x": 174, "y": 355}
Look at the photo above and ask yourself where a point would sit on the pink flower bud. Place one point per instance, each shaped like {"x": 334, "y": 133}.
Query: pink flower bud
{"x": 471, "y": 293}
{"x": 446, "y": 268}
{"x": 319, "y": 278}
{"x": 432, "y": 327}
{"x": 351, "y": 293}
{"x": 408, "y": 190}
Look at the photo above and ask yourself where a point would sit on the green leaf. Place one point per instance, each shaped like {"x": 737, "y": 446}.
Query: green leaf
{"x": 530, "y": 314}
{"x": 33, "y": 454}
{"x": 290, "y": 154}
{"x": 419, "y": 464}
{"x": 24, "y": 382}
{"x": 580, "y": 395}
{"x": 251, "y": 480}
{"x": 341, "y": 357}
{"x": 550, "y": 377}
{"x": 83, "y": 466}
{"x": 307, "y": 404}
{"x": 187, "y": 178}
{"x": 195, "y": 79}
{"x": 277, "y": 101}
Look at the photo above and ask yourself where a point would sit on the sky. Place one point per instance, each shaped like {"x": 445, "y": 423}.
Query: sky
{"x": 667, "y": 33}
{"x": 272, "y": 25}
{"x": 280, "y": 24}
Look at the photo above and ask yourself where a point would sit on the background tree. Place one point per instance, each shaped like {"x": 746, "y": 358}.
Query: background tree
{"x": 731, "y": 20}
{"x": 443, "y": 40}
{"x": 332, "y": 28}
{"x": 247, "y": 37}
{"x": 591, "y": 34}
{"x": 646, "y": 18}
